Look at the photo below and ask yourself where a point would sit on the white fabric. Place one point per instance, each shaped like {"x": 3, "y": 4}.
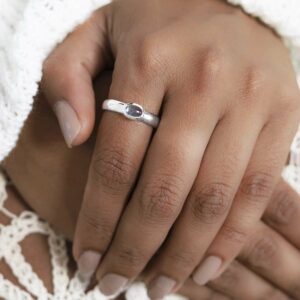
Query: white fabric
{"x": 29, "y": 30}
{"x": 65, "y": 288}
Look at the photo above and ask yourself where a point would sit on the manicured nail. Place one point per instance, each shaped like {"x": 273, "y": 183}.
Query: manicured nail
{"x": 207, "y": 270}
{"x": 161, "y": 287}
{"x": 88, "y": 263}
{"x": 112, "y": 284}
{"x": 68, "y": 121}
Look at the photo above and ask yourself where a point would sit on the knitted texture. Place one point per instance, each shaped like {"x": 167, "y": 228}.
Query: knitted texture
{"x": 29, "y": 31}
{"x": 65, "y": 287}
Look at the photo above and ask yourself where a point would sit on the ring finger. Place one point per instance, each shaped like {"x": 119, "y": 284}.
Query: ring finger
{"x": 118, "y": 154}
{"x": 170, "y": 168}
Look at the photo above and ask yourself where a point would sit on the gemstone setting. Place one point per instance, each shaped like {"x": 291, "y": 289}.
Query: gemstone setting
{"x": 133, "y": 111}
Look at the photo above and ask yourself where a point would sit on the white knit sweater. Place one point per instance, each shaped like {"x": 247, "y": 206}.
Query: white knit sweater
{"x": 30, "y": 29}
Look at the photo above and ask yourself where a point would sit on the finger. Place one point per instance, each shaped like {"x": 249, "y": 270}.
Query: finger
{"x": 170, "y": 168}
{"x": 68, "y": 74}
{"x": 269, "y": 255}
{"x": 118, "y": 154}
{"x": 239, "y": 282}
{"x": 206, "y": 208}
{"x": 196, "y": 292}
{"x": 283, "y": 212}
{"x": 259, "y": 181}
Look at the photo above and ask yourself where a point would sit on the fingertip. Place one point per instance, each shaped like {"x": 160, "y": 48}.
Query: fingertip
{"x": 76, "y": 123}
{"x": 208, "y": 270}
{"x": 87, "y": 122}
{"x": 68, "y": 120}
{"x": 70, "y": 94}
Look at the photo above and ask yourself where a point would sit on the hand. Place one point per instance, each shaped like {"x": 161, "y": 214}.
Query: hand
{"x": 59, "y": 201}
{"x": 230, "y": 111}
{"x": 271, "y": 253}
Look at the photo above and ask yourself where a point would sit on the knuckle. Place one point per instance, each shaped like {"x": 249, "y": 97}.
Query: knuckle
{"x": 151, "y": 55}
{"x": 262, "y": 255}
{"x": 53, "y": 67}
{"x": 207, "y": 69}
{"x": 233, "y": 235}
{"x": 59, "y": 76}
{"x": 283, "y": 208}
{"x": 255, "y": 79}
{"x": 184, "y": 260}
{"x": 160, "y": 199}
{"x": 212, "y": 61}
{"x": 213, "y": 64}
{"x": 95, "y": 226}
{"x": 257, "y": 185}
{"x": 129, "y": 257}
{"x": 211, "y": 203}
{"x": 113, "y": 170}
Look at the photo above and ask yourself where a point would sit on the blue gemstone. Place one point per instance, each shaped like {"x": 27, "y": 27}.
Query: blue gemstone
{"x": 134, "y": 111}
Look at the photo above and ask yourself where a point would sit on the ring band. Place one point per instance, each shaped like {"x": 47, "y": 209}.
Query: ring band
{"x": 131, "y": 111}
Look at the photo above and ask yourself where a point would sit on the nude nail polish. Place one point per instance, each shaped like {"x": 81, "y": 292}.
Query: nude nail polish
{"x": 68, "y": 121}
{"x": 207, "y": 270}
{"x": 112, "y": 284}
{"x": 161, "y": 287}
{"x": 88, "y": 263}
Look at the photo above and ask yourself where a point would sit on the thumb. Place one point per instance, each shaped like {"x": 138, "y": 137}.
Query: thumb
{"x": 68, "y": 76}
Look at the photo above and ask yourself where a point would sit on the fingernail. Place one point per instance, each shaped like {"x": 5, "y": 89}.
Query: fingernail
{"x": 68, "y": 121}
{"x": 112, "y": 284}
{"x": 207, "y": 270}
{"x": 161, "y": 287}
{"x": 88, "y": 263}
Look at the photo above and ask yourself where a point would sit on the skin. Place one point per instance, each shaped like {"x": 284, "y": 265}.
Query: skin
{"x": 275, "y": 241}
{"x": 229, "y": 111}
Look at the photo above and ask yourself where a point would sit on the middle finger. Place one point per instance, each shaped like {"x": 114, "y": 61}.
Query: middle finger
{"x": 207, "y": 206}
{"x": 170, "y": 168}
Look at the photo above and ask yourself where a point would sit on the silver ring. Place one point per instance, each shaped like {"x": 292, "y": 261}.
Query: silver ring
{"x": 131, "y": 111}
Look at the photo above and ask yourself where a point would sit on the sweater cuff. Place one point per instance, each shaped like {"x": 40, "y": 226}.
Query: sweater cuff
{"x": 29, "y": 31}
{"x": 283, "y": 16}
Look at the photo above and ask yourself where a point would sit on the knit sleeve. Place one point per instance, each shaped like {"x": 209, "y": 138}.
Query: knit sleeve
{"x": 29, "y": 31}
{"x": 281, "y": 15}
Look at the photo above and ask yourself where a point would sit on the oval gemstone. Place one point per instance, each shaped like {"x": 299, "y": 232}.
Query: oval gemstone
{"x": 134, "y": 111}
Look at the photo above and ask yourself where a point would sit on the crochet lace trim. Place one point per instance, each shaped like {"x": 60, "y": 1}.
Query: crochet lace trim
{"x": 29, "y": 31}
{"x": 23, "y": 47}
{"x": 64, "y": 286}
